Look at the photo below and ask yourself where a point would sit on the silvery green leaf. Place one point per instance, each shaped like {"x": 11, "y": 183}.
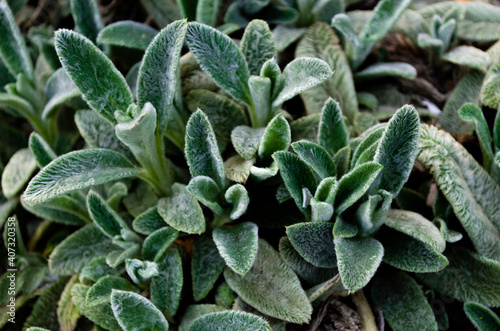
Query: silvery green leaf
{"x": 469, "y": 277}
{"x": 299, "y": 75}
{"x": 157, "y": 243}
{"x": 392, "y": 293}
{"x": 158, "y": 73}
{"x": 64, "y": 209}
{"x": 277, "y": 137}
{"x": 237, "y": 244}
{"x": 202, "y": 154}
{"x": 81, "y": 247}
{"x": 482, "y": 317}
{"x": 148, "y": 222}
{"x": 407, "y": 253}
{"x": 58, "y": 90}
{"x": 448, "y": 234}
{"x": 206, "y": 11}
{"x": 237, "y": 169}
{"x": 316, "y": 157}
{"x": 237, "y": 196}
{"x": 284, "y": 36}
{"x": 87, "y": 18}
{"x": 225, "y": 320}
{"x": 358, "y": 259}
{"x": 416, "y": 226}
{"x": 353, "y": 185}
{"x": 133, "y": 311}
{"x": 472, "y": 113}
{"x": 86, "y": 65}
{"x": 271, "y": 287}
{"x": 321, "y": 42}
{"x": 259, "y": 174}
{"x": 119, "y": 256}
{"x": 297, "y": 176}
{"x": 41, "y": 151}
{"x": 20, "y": 106}
{"x": 368, "y": 142}
{"x": 468, "y": 56}
{"x": 224, "y": 296}
{"x": 101, "y": 315}
{"x": 140, "y": 271}
{"x": 31, "y": 278}
{"x": 219, "y": 56}
{"x": 205, "y": 189}
{"x": 305, "y": 270}
{"x": 246, "y": 140}
{"x": 270, "y": 69}
{"x": 467, "y": 90}
{"x": 67, "y": 312}
{"x": 474, "y": 194}
{"x": 397, "y": 150}
{"x": 128, "y": 34}
{"x": 181, "y": 211}
{"x": 344, "y": 229}
{"x": 162, "y": 11}
{"x": 17, "y": 172}
{"x": 194, "y": 311}
{"x": 96, "y": 269}
{"x": 326, "y": 190}
{"x": 306, "y": 128}
{"x": 100, "y": 292}
{"x": 384, "y": 69}
{"x": 13, "y": 51}
{"x": 314, "y": 242}
{"x": 367, "y": 99}
{"x": 140, "y": 200}
{"x": 342, "y": 24}
{"x": 166, "y": 287}
{"x": 257, "y": 45}
{"x": 77, "y": 170}
{"x": 206, "y": 267}
{"x": 320, "y": 211}
{"x": 260, "y": 89}
{"x": 385, "y": 15}
{"x": 489, "y": 91}
{"x": 333, "y": 134}
{"x": 223, "y": 112}
{"x": 108, "y": 220}
{"x": 342, "y": 159}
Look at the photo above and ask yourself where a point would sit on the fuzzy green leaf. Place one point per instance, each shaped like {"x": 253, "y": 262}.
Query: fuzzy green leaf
{"x": 101, "y": 84}
{"x": 277, "y": 137}
{"x": 77, "y": 170}
{"x": 207, "y": 11}
{"x": 133, "y": 311}
{"x": 139, "y": 271}
{"x": 284, "y": 36}
{"x": 316, "y": 157}
{"x": 148, "y": 221}
{"x": 67, "y": 313}
{"x": 482, "y": 317}
{"x": 416, "y": 226}
{"x": 257, "y": 45}
{"x": 206, "y": 267}
{"x": 229, "y": 320}
{"x": 157, "y": 243}
{"x": 344, "y": 229}
{"x": 59, "y": 90}
{"x": 158, "y": 73}
{"x": 468, "y": 56}
{"x": 96, "y": 269}
{"x": 13, "y": 51}
{"x": 195, "y": 311}
{"x": 181, "y": 211}
{"x": 403, "y": 303}
{"x": 321, "y": 42}
{"x": 108, "y": 221}
{"x": 17, "y": 172}
{"x": 314, "y": 242}
{"x": 237, "y": 169}
{"x": 472, "y": 193}
{"x": 162, "y": 11}
{"x": 297, "y": 176}
{"x": 219, "y": 56}
{"x": 299, "y": 75}
{"x": 397, "y": 150}
{"x": 358, "y": 259}
{"x": 410, "y": 254}
{"x": 353, "y": 185}
{"x": 101, "y": 315}
{"x": 202, "y": 154}
{"x": 469, "y": 277}
{"x": 237, "y": 244}
{"x": 87, "y": 18}
{"x": 100, "y": 292}
{"x": 369, "y": 142}
{"x": 166, "y": 287}
{"x": 246, "y": 140}
{"x": 333, "y": 133}
{"x": 237, "y": 196}
{"x": 205, "y": 189}
{"x": 41, "y": 151}
{"x": 127, "y": 34}
{"x": 271, "y": 287}
{"x": 395, "y": 69}
{"x": 81, "y": 247}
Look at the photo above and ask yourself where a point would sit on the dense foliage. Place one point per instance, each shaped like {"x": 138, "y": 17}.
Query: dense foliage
{"x": 250, "y": 165}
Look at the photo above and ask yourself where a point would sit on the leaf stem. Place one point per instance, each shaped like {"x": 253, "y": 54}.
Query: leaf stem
{"x": 365, "y": 311}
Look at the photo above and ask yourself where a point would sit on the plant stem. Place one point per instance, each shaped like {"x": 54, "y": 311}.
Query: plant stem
{"x": 365, "y": 311}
